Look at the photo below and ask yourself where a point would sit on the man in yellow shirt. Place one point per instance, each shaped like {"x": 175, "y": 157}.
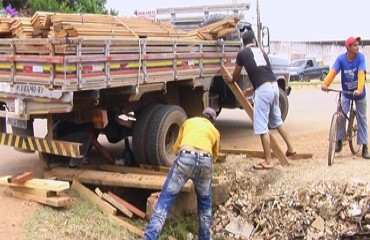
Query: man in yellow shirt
{"x": 197, "y": 148}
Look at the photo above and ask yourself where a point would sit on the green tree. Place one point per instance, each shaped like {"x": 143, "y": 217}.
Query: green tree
{"x": 66, "y": 6}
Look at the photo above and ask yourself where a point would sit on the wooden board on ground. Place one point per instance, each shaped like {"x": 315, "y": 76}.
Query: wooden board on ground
{"x": 121, "y": 169}
{"x": 21, "y": 178}
{"x": 129, "y": 227}
{"x": 260, "y": 154}
{"x": 131, "y": 180}
{"x": 249, "y": 109}
{"x": 89, "y": 195}
{"x": 127, "y": 205}
{"x": 52, "y": 185}
{"x": 117, "y": 205}
{"x": 57, "y": 201}
{"x": 35, "y": 192}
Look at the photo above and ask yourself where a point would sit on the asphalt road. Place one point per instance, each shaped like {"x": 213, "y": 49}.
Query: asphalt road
{"x": 310, "y": 110}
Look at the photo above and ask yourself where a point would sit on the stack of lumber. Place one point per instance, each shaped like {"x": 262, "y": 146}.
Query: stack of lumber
{"x": 5, "y": 24}
{"x": 48, "y": 192}
{"x": 41, "y": 22}
{"x": 22, "y": 28}
{"x": 216, "y": 30}
{"x": 105, "y": 26}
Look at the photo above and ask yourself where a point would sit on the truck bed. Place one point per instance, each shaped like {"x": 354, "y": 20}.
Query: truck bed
{"x": 50, "y": 70}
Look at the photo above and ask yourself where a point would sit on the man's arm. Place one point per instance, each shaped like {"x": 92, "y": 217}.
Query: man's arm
{"x": 328, "y": 80}
{"x": 361, "y": 83}
{"x": 100, "y": 147}
{"x": 235, "y": 76}
{"x": 176, "y": 146}
{"x": 216, "y": 148}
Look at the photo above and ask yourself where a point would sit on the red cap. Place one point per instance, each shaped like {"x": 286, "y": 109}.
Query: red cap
{"x": 351, "y": 40}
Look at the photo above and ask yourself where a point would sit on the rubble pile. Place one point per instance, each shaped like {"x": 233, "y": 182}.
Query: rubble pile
{"x": 324, "y": 210}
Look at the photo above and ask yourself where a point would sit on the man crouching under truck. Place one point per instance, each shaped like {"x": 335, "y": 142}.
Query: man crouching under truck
{"x": 196, "y": 145}
{"x": 87, "y": 134}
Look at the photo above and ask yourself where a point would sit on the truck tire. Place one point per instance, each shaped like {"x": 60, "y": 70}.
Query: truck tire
{"x": 283, "y": 104}
{"x": 301, "y": 77}
{"x": 162, "y": 134}
{"x": 140, "y": 131}
{"x": 323, "y": 76}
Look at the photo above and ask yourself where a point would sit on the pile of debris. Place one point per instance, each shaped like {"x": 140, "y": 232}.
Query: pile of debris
{"x": 325, "y": 210}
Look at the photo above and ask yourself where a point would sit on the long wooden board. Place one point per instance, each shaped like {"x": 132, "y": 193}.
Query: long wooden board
{"x": 52, "y": 185}
{"x": 260, "y": 154}
{"x": 154, "y": 182}
{"x": 249, "y": 109}
{"x": 117, "y": 205}
{"x": 57, "y": 201}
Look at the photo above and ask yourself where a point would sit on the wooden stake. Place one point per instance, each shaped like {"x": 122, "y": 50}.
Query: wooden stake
{"x": 21, "y": 178}
{"x": 127, "y": 226}
{"x": 249, "y": 109}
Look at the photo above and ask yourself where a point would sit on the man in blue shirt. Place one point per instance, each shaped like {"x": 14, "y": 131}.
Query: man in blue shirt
{"x": 352, "y": 66}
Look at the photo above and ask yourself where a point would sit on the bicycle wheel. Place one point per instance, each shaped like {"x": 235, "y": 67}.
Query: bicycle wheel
{"x": 333, "y": 137}
{"x": 352, "y": 133}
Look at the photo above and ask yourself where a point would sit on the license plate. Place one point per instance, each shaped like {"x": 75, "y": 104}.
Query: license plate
{"x": 17, "y": 123}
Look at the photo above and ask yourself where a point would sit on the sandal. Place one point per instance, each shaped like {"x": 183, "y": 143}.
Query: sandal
{"x": 263, "y": 166}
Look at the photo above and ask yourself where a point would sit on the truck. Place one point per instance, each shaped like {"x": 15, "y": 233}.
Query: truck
{"x": 152, "y": 85}
{"x": 306, "y": 69}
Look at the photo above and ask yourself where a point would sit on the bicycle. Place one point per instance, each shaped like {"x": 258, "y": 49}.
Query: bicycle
{"x": 352, "y": 128}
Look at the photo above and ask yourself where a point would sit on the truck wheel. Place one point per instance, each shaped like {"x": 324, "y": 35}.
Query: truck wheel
{"x": 140, "y": 131}
{"x": 162, "y": 134}
{"x": 323, "y": 76}
{"x": 300, "y": 77}
{"x": 283, "y": 104}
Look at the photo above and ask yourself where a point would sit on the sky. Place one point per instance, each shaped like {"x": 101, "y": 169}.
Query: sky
{"x": 287, "y": 20}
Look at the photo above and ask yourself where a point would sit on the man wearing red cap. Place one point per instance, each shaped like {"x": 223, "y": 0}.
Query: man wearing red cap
{"x": 353, "y": 68}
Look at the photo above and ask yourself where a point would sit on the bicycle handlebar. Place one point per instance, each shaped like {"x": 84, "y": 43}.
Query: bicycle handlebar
{"x": 340, "y": 91}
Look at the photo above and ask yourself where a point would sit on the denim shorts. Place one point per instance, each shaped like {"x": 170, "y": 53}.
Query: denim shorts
{"x": 266, "y": 113}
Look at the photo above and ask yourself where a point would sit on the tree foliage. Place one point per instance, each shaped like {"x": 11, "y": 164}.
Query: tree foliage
{"x": 65, "y": 6}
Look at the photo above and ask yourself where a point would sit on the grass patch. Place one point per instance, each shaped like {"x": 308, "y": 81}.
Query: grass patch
{"x": 180, "y": 227}
{"x": 82, "y": 221}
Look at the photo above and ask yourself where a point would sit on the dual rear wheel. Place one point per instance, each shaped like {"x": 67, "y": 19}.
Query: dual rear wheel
{"x": 155, "y": 132}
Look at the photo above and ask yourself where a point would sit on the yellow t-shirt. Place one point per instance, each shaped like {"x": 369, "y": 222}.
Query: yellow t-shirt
{"x": 199, "y": 133}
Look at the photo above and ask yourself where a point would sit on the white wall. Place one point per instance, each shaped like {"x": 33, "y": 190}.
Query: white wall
{"x": 326, "y": 52}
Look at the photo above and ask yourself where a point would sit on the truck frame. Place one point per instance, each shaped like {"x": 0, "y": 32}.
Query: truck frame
{"x": 157, "y": 82}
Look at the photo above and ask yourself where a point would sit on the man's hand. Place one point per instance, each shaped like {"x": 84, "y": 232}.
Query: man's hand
{"x": 357, "y": 93}
{"x": 324, "y": 88}
{"x": 248, "y": 92}
{"x": 228, "y": 78}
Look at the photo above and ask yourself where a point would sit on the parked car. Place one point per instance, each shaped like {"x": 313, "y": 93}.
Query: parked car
{"x": 307, "y": 69}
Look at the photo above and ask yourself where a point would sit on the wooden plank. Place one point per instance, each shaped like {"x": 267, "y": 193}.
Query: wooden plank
{"x": 154, "y": 182}
{"x": 129, "y": 206}
{"x": 51, "y": 185}
{"x": 119, "y": 221}
{"x": 21, "y": 178}
{"x": 121, "y": 169}
{"x": 89, "y": 195}
{"x": 249, "y": 109}
{"x": 98, "y": 192}
{"x": 117, "y": 205}
{"x": 260, "y": 154}
{"x": 57, "y": 201}
{"x": 35, "y": 192}
{"x": 155, "y": 168}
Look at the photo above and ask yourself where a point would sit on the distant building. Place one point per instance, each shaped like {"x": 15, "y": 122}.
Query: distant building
{"x": 326, "y": 51}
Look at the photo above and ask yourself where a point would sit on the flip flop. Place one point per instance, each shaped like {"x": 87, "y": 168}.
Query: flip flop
{"x": 290, "y": 154}
{"x": 263, "y": 166}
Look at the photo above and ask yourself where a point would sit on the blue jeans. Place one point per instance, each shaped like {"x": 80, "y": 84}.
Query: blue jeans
{"x": 361, "y": 106}
{"x": 197, "y": 168}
